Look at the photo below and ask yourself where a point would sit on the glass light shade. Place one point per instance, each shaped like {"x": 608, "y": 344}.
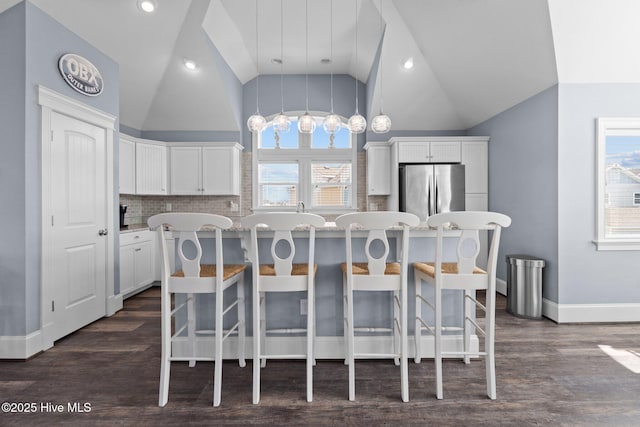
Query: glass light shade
{"x": 281, "y": 123}
{"x": 306, "y": 123}
{"x": 331, "y": 123}
{"x": 381, "y": 123}
{"x": 256, "y": 123}
{"x": 357, "y": 123}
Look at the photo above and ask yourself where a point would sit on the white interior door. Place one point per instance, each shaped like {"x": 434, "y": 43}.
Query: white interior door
{"x": 78, "y": 220}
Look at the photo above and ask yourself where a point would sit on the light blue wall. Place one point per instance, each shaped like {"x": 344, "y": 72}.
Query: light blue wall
{"x": 523, "y": 181}
{"x": 190, "y": 135}
{"x": 12, "y": 174}
{"x": 39, "y": 42}
{"x": 588, "y": 276}
{"x": 344, "y": 96}
{"x": 130, "y": 131}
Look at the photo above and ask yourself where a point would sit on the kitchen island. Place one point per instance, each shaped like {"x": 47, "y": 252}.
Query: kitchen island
{"x": 287, "y": 311}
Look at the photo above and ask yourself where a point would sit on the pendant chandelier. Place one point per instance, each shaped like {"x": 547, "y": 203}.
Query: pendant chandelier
{"x": 256, "y": 122}
{"x": 281, "y": 122}
{"x": 357, "y": 123}
{"x": 381, "y": 123}
{"x": 306, "y": 122}
{"x": 332, "y": 122}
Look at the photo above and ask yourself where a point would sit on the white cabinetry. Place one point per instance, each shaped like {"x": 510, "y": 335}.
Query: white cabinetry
{"x": 137, "y": 261}
{"x": 185, "y": 170}
{"x": 212, "y": 169}
{"x": 151, "y": 168}
{"x": 475, "y": 159}
{"x": 127, "y": 165}
{"x": 378, "y": 168}
{"x": 425, "y": 151}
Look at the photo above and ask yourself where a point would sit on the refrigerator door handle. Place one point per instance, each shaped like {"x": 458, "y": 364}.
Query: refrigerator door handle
{"x": 437, "y": 199}
{"x": 430, "y": 198}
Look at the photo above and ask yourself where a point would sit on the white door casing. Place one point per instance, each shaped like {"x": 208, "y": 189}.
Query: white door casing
{"x": 77, "y": 274}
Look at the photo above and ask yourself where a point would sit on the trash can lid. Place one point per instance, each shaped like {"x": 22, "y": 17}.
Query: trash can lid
{"x": 525, "y": 260}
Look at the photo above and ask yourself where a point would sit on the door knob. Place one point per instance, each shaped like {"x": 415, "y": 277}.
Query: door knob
{"x": 103, "y": 232}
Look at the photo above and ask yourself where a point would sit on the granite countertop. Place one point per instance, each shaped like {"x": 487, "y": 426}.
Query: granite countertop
{"x": 134, "y": 227}
{"x": 237, "y": 227}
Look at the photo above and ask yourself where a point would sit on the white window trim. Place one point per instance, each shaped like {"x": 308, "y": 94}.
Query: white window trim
{"x": 610, "y": 126}
{"x": 304, "y": 155}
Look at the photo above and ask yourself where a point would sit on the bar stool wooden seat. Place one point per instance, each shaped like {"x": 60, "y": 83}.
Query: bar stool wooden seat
{"x": 463, "y": 275}
{"x": 194, "y": 278}
{"x": 281, "y": 276}
{"x": 377, "y": 275}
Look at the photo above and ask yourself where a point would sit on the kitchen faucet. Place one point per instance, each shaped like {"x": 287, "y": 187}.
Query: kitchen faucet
{"x": 300, "y": 207}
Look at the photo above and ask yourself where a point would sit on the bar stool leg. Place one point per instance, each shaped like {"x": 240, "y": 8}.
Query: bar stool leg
{"x": 350, "y": 346}
{"x": 404, "y": 345}
{"x": 468, "y": 307}
{"x": 257, "y": 333}
{"x": 217, "y": 379}
{"x": 191, "y": 326}
{"x": 396, "y": 332}
{"x": 242, "y": 327}
{"x": 263, "y": 327}
{"x": 418, "y": 327}
{"x": 438, "y": 342}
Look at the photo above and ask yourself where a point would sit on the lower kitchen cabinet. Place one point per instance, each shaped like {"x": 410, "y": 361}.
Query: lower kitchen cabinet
{"x": 137, "y": 261}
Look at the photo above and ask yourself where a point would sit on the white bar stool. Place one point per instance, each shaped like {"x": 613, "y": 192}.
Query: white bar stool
{"x": 466, "y": 276}
{"x": 281, "y": 276}
{"x": 196, "y": 278}
{"x": 377, "y": 275}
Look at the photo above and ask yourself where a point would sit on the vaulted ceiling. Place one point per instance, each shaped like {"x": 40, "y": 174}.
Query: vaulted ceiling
{"x": 473, "y": 58}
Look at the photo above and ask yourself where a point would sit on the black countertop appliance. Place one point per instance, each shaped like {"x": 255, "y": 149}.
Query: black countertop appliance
{"x": 123, "y": 210}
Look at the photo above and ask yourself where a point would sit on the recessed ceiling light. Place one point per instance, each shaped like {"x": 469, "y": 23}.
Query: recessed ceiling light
{"x": 147, "y": 6}
{"x": 276, "y": 61}
{"x": 190, "y": 65}
{"x": 407, "y": 63}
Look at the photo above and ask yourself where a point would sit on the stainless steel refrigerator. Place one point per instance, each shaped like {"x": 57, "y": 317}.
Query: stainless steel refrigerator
{"x": 427, "y": 189}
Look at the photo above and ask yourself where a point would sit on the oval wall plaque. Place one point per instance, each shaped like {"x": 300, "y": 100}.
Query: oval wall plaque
{"x": 81, "y": 74}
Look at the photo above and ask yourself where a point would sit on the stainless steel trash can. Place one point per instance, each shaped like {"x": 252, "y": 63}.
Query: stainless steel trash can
{"x": 524, "y": 286}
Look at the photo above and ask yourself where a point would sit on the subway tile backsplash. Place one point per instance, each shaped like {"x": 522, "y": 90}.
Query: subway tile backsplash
{"x": 140, "y": 208}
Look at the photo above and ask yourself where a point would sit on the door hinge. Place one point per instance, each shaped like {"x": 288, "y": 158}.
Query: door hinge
{"x": 53, "y": 305}
{"x": 51, "y": 136}
{"x": 52, "y": 220}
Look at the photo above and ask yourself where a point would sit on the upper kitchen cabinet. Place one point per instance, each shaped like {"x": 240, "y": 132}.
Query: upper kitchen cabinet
{"x": 475, "y": 157}
{"x": 378, "y": 168}
{"x": 127, "y": 165}
{"x": 211, "y": 169}
{"x": 151, "y": 168}
{"x": 423, "y": 150}
{"x": 143, "y": 166}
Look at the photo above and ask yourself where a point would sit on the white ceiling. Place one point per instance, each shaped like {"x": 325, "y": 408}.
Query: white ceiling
{"x": 474, "y": 58}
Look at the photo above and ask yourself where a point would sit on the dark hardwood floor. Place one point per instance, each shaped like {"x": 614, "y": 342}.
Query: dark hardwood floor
{"x": 548, "y": 374}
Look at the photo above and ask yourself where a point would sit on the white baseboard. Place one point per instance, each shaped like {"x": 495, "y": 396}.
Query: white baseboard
{"x": 501, "y": 287}
{"x": 326, "y": 347}
{"x": 114, "y": 304}
{"x": 20, "y": 347}
{"x": 590, "y": 313}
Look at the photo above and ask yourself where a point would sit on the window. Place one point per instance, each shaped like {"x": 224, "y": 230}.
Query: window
{"x": 618, "y": 225}
{"x": 318, "y": 170}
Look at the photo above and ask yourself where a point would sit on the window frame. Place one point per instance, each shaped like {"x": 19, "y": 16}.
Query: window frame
{"x": 304, "y": 155}
{"x": 610, "y": 126}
